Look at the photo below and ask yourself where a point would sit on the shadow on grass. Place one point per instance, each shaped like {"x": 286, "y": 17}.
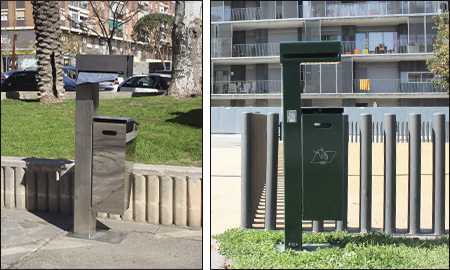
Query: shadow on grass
{"x": 193, "y": 118}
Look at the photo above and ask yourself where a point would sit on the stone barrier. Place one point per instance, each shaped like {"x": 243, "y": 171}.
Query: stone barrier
{"x": 167, "y": 195}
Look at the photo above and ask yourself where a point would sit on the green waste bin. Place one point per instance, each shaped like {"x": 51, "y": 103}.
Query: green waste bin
{"x": 322, "y": 139}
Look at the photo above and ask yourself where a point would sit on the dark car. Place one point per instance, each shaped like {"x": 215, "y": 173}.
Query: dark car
{"x": 141, "y": 85}
{"x": 160, "y": 81}
{"x": 163, "y": 72}
{"x": 71, "y": 72}
{"x": 26, "y": 80}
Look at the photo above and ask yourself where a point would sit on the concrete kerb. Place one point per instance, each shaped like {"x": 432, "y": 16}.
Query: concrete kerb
{"x": 161, "y": 195}
{"x": 68, "y": 95}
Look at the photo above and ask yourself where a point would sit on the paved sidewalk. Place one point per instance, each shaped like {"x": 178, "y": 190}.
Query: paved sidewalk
{"x": 38, "y": 240}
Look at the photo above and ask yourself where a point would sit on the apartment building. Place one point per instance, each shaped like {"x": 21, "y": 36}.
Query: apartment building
{"x": 385, "y": 45}
{"x": 17, "y": 19}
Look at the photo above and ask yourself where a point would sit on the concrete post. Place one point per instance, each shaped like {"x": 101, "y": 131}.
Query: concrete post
{"x": 19, "y": 175}
{"x": 153, "y": 198}
{"x": 194, "y": 202}
{"x": 65, "y": 194}
{"x": 180, "y": 201}
{"x": 438, "y": 135}
{"x": 139, "y": 198}
{"x": 53, "y": 191}
{"x": 42, "y": 191}
{"x": 390, "y": 173}
{"x": 414, "y": 173}
{"x": 271, "y": 171}
{"x": 246, "y": 171}
{"x": 166, "y": 206}
{"x": 366, "y": 173}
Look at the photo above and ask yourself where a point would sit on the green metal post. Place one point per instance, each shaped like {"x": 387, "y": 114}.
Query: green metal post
{"x": 291, "y": 55}
{"x": 292, "y": 155}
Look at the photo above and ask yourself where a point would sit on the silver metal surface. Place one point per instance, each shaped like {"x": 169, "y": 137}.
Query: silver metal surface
{"x": 119, "y": 64}
{"x": 108, "y": 167}
{"x": 86, "y": 108}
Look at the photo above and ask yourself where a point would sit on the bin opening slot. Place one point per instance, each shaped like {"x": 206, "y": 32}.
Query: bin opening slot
{"x": 322, "y": 125}
{"x": 311, "y": 55}
{"x": 109, "y": 132}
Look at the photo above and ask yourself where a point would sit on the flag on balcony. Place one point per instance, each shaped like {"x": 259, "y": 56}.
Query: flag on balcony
{"x": 364, "y": 84}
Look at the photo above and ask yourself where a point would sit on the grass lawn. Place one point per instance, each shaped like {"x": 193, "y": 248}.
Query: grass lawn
{"x": 256, "y": 249}
{"x": 170, "y": 130}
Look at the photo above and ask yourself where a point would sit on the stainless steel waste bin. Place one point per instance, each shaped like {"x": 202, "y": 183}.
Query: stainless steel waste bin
{"x": 113, "y": 144}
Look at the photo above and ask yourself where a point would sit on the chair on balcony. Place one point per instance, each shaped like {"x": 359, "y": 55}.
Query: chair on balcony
{"x": 232, "y": 88}
{"x": 246, "y": 88}
{"x": 382, "y": 48}
{"x": 392, "y": 51}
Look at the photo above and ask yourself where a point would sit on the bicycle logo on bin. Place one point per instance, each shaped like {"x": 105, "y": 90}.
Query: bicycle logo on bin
{"x": 323, "y": 157}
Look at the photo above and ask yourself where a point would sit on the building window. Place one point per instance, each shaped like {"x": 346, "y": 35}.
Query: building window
{"x": 420, "y": 77}
{"x": 4, "y": 15}
{"x": 20, "y": 14}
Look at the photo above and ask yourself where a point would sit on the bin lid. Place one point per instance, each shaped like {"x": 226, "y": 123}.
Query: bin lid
{"x": 87, "y": 77}
{"x": 322, "y": 110}
{"x": 131, "y": 123}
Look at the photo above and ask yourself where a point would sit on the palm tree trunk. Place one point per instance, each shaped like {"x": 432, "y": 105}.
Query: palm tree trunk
{"x": 48, "y": 51}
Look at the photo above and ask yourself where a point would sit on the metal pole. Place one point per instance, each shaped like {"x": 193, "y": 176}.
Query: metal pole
{"x": 292, "y": 155}
{"x": 87, "y": 100}
{"x": 246, "y": 171}
{"x": 271, "y": 171}
{"x": 414, "y": 173}
{"x": 342, "y": 225}
{"x": 390, "y": 173}
{"x": 317, "y": 226}
{"x": 438, "y": 135}
{"x": 366, "y": 172}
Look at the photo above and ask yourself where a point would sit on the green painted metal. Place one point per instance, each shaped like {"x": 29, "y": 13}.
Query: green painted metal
{"x": 310, "y": 52}
{"x": 291, "y": 55}
{"x": 292, "y": 155}
{"x": 322, "y": 129}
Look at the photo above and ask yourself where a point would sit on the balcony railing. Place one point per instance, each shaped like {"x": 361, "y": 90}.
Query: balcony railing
{"x": 255, "y": 50}
{"x": 360, "y": 86}
{"x": 247, "y": 87}
{"x": 385, "y": 47}
{"x": 314, "y": 10}
{"x": 371, "y": 86}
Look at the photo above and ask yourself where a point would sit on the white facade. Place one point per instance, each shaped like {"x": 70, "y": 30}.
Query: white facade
{"x": 385, "y": 45}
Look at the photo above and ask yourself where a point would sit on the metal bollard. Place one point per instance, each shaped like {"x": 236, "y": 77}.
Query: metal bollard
{"x": 246, "y": 171}
{"x": 271, "y": 171}
{"x": 414, "y": 174}
{"x": 438, "y": 137}
{"x": 342, "y": 225}
{"x": 366, "y": 173}
{"x": 390, "y": 163}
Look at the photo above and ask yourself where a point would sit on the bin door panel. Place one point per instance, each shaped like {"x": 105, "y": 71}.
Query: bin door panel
{"x": 322, "y": 166}
{"x": 108, "y": 167}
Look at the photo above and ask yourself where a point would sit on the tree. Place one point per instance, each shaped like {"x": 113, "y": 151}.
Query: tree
{"x": 109, "y": 22}
{"x": 47, "y": 28}
{"x": 153, "y": 31}
{"x": 439, "y": 64}
{"x": 71, "y": 44}
{"x": 187, "y": 50}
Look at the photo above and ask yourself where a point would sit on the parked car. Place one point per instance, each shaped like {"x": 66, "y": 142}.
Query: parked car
{"x": 161, "y": 81}
{"x": 71, "y": 72}
{"x": 7, "y": 74}
{"x": 141, "y": 84}
{"x": 163, "y": 72}
{"x": 110, "y": 86}
{"x": 26, "y": 80}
